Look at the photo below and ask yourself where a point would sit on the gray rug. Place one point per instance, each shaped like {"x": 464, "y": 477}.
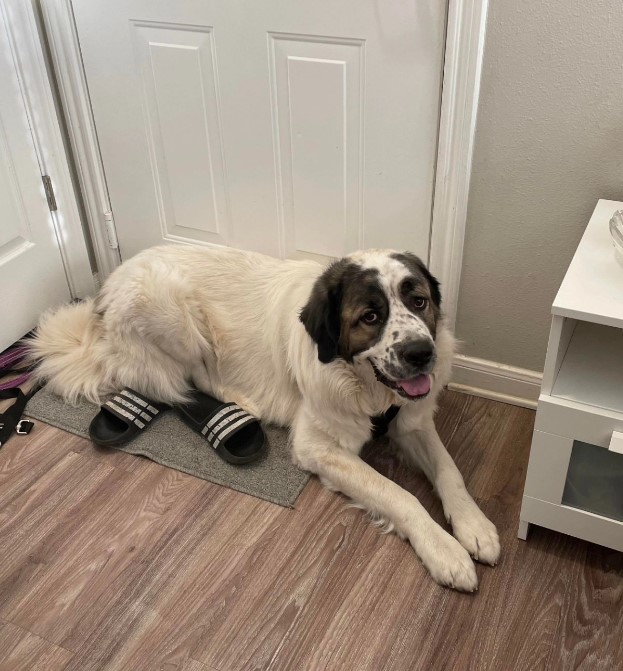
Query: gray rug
{"x": 171, "y": 443}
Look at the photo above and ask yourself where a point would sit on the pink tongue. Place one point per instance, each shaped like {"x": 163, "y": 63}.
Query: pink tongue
{"x": 416, "y": 386}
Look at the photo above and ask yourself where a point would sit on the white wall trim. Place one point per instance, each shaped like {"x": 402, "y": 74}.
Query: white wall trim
{"x": 496, "y": 381}
{"x": 29, "y": 62}
{"x": 465, "y": 38}
{"x": 74, "y": 94}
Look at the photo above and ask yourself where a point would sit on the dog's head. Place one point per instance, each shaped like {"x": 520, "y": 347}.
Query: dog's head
{"x": 382, "y": 307}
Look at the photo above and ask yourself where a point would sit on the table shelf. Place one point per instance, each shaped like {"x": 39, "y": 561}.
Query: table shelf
{"x": 592, "y": 369}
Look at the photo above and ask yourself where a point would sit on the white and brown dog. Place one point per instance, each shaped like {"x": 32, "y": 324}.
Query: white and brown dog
{"x": 321, "y": 350}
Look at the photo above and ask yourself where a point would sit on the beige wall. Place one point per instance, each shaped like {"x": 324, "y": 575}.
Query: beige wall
{"x": 549, "y": 143}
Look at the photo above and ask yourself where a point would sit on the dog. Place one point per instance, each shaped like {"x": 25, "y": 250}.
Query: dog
{"x": 321, "y": 350}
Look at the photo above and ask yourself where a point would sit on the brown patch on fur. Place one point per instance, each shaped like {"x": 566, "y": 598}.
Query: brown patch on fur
{"x": 338, "y": 300}
{"x": 360, "y": 296}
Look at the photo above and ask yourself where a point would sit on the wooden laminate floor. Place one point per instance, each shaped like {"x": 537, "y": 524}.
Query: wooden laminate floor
{"x": 108, "y": 561}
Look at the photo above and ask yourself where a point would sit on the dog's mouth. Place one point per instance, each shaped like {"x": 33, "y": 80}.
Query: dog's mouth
{"x": 413, "y": 388}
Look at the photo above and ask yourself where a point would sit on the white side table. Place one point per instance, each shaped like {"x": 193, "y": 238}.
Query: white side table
{"x": 574, "y": 482}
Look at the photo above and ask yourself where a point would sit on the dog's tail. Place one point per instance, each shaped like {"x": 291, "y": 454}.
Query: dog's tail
{"x": 70, "y": 353}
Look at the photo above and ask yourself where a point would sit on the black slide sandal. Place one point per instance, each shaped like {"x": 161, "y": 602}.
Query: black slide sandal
{"x": 235, "y": 435}
{"x": 122, "y": 418}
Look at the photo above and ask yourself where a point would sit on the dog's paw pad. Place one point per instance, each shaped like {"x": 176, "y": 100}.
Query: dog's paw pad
{"x": 449, "y": 564}
{"x": 478, "y": 536}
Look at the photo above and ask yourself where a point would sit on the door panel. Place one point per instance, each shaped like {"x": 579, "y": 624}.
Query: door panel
{"x": 176, "y": 66}
{"x": 317, "y": 108}
{"x": 14, "y": 233}
{"x": 286, "y": 127}
{"x": 32, "y": 275}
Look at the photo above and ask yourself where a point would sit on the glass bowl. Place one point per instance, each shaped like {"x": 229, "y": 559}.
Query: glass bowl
{"x": 616, "y": 231}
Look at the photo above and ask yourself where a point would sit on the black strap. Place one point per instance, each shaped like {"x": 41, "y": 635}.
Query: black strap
{"x": 11, "y": 417}
{"x": 225, "y": 422}
{"x": 380, "y": 423}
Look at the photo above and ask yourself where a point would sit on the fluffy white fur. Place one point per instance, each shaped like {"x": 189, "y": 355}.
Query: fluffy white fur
{"x": 227, "y": 322}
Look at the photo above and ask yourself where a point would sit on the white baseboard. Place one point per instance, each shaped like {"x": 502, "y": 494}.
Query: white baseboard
{"x": 496, "y": 381}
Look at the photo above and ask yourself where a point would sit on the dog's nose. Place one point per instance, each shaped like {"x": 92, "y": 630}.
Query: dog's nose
{"x": 417, "y": 352}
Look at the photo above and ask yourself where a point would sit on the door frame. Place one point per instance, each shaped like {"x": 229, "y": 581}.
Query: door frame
{"x": 464, "y": 46}
{"x": 74, "y": 94}
{"x": 48, "y": 142}
{"x": 465, "y": 41}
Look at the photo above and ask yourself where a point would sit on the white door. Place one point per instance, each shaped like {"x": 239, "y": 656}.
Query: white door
{"x": 294, "y": 128}
{"x": 32, "y": 276}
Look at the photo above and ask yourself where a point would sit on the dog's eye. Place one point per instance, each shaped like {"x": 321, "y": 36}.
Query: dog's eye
{"x": 419, "y": 303}
{"x": 370, "y": 317}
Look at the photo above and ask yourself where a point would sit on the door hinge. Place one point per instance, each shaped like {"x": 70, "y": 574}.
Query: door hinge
{"x": 111, "y": 231}
{"x": 49, "y": 192}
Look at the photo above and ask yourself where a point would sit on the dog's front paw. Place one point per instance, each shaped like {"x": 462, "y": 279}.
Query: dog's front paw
{"x": 476, "y": 534}
{"x": 447, "y": 561}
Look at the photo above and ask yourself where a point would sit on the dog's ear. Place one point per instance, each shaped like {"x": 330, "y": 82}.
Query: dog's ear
{"x": 322, "y": 314}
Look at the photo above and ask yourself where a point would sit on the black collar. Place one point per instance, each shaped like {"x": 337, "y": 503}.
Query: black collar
{"x": 380, "y": 423}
